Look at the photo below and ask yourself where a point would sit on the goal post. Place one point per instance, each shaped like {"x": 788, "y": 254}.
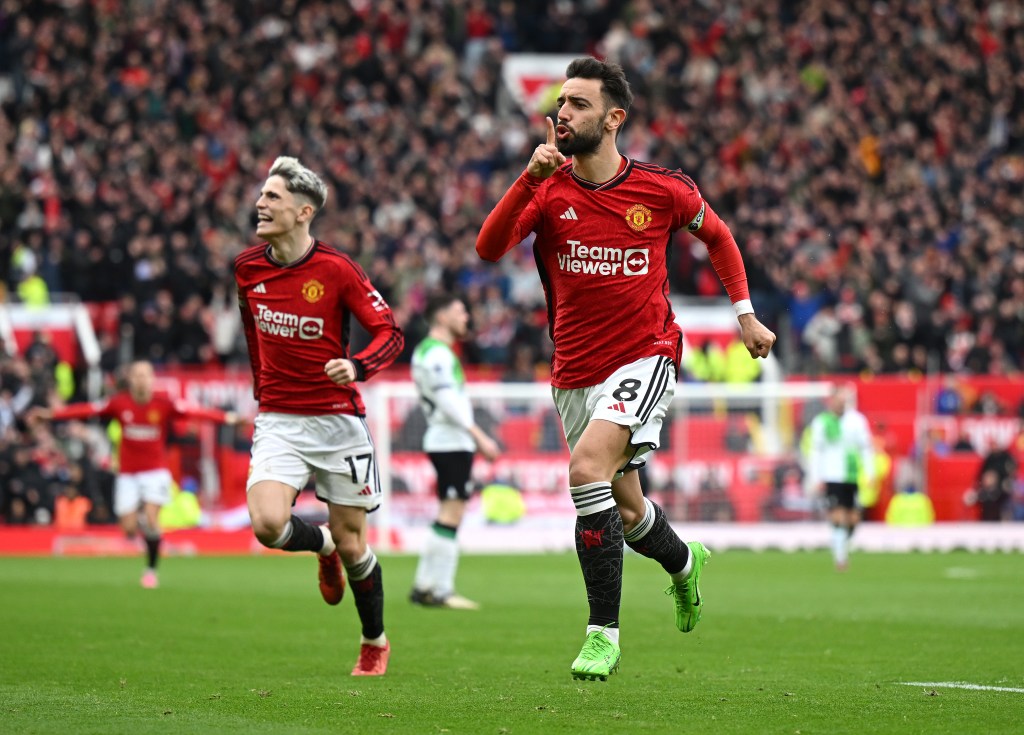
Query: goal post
{"x": 714, "y": 435}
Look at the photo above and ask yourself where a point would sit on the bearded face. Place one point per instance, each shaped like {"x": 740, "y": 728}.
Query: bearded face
{"x": 584, "y": 137}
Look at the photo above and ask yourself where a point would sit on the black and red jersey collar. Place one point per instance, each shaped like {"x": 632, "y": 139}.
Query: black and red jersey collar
{"x": 611, "y": 183}
{"x": 268, "y": 254}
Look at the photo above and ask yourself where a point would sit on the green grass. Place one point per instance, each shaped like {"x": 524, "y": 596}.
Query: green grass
{"x": 245, "y": 645}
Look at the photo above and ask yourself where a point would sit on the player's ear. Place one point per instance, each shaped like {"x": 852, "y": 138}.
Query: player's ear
{"x": 306, "y": 212}
{"x": 614, "y": 119}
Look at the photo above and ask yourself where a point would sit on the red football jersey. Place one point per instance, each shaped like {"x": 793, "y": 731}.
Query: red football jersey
{"x": 297, "y": 317}
{"x": 601, "y": 250}
{"x": 144, "y": 426}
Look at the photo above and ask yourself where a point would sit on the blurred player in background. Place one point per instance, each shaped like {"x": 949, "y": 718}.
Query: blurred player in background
{"x": 451, "y": 438}
{"x": 143, "y": 479}
{"x": 840, "y": 453}
{"x": 298, "y": 296}
{"x": 602, "y": 223}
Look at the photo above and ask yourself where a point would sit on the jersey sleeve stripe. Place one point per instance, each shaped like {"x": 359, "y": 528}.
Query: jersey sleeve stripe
{"x": 678, "y": 175}
{"x": 385, "y": 355}
{"x": 249, "y": 254}
{"x": 343, "y": 257}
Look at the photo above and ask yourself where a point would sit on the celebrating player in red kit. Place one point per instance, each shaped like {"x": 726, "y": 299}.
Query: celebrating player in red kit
{"x": 143, "y": 479}
{"x": 603, "y": 224}
{"x": 297, "y": 296}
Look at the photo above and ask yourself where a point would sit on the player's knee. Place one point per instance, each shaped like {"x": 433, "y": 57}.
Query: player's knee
{"x": 586, "y": 469}
{"x": 451, "y": 511}
{"x": 148, "y": 527}
{"x": 629, "y": 518}
{"x": 350, "y": 548}
{"x": 266, "y": 528}
{"x": 130, "y": 525}
{"x": 265, "y": 535}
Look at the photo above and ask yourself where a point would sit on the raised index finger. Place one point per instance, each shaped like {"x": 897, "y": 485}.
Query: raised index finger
{"x": 551, "y": 130}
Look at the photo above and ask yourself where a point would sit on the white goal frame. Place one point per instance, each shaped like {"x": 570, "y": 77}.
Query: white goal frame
{"x": 380, "y": 396}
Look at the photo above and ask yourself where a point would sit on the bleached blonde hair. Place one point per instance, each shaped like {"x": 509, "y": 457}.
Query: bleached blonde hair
{"x": 300, "y": 180}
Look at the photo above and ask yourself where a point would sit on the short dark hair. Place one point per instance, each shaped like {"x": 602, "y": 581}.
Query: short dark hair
{"x": 614, "y": 86}
{"x": 436, "y": 303}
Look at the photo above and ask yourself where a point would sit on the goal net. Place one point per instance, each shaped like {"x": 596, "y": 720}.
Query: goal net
{"x": 728, "y": 453}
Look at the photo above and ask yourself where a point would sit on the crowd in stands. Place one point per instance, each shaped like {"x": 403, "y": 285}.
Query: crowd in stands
{"x": 867, "y": 155}
{"x": 63, "y": 476}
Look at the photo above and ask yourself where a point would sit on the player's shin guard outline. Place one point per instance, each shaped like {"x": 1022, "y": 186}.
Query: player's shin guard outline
{"x": 654, "y": 538}
{"x": 366, "y": 580}
{"x": 298, "y": 535}
{"x": 599, "y": 549}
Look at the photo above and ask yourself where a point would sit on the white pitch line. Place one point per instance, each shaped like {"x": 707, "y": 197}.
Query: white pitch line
{"x": 962, "y": 685}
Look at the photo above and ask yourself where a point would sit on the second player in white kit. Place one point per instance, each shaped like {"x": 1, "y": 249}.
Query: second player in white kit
{"x": 451, "y": 439}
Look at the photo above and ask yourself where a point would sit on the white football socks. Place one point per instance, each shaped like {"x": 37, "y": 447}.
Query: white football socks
{"x": 840, "y": 544}
{"x": 612, "y": 633}
{"x": 438, "y": 564}
{"x": 328, "y": 548}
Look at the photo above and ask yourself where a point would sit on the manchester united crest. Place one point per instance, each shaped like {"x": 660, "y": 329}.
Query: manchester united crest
{"x": 312, "y": 291}
{"x": 638, "y": 217}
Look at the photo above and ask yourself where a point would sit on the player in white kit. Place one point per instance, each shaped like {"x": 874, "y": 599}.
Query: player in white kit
{"x": 451, "y": 439}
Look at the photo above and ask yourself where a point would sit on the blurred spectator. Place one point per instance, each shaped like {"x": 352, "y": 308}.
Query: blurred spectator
{"x": 40, "y": 354}
{"x": 962, "y": 443}
{"x": 989, "y": 495}
{"x": 934, "y": 441}
{"x": 949, "y": 401}
{"x": 522, "y": 366}
{"x": 988, "y": 404}
{"x": 788, "y": 500}
{"x": 16, "y": 394}
{"x": 737, "y": 435}
{"x": 71, "y": 510}
{"x": 18, "y": 512}
{"x": 712, "y": 502}
{"x": 870, "y": 483}
{"x": 704, "y": 362}
{"x": 739, "y": 368}
{"x": 909, "y": 508}
{"x": 995, "y": 485}
{"x": 821, "y": 336}
{"x": 1017, "y": 501}
{"x": 1003, "y": 463}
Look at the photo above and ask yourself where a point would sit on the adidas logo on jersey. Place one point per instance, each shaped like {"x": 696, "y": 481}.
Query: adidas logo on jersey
{"x": 260, "y": 288}
{"x": 366, "y": 490}
{"x": 570, "y": 213}
{"x": 620, "y": 406}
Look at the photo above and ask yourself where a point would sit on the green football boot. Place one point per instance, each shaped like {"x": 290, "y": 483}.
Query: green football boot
{"x": 598, "y": 659}
{"x": 689, "y": 604}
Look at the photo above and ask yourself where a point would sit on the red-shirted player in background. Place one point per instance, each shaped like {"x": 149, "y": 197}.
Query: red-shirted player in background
{"x": 603, "y": 226}
{"x": 297, "y": 297}
{"x": 143, "y": 478}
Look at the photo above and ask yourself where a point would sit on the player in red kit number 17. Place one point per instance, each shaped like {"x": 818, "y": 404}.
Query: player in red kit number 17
{"x": 603, "y": 226}
{"x": 298, "y": 297}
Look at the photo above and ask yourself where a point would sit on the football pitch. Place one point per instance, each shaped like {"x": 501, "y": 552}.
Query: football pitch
{"x": 916, "y": 643}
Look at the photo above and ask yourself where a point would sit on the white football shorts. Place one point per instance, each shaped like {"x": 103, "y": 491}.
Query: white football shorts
{"x": 336, "y": 449}
{"x": 133, "y": 489}
{"x": 636, "y": 396}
